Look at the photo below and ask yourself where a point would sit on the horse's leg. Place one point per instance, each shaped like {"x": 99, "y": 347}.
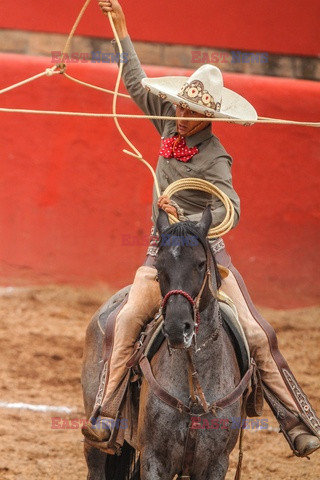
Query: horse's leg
{"x": 161, "y": 431}
{"x": 214, "y": 448}
{"x": 96, "y": 462}
{"x": 216, "y": 471}
{"x": 153, "y": 465}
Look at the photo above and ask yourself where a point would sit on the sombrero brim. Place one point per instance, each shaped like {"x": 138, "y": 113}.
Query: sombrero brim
{"x": 233, "y": 105}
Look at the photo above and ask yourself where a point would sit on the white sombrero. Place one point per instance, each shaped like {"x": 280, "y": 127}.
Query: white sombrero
{"x": 204, "y": 93}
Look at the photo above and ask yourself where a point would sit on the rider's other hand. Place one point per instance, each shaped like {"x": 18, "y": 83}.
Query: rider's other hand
{"x": 164, "y": 203}
{"x": 163, "y": 200}
{"x": 170, "y": 209}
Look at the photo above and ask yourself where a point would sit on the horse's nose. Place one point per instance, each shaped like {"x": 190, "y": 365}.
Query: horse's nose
{"x": 187, "y": 328}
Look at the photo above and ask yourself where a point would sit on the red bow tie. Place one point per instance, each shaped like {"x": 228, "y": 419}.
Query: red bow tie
{"x": 176, "y": 147}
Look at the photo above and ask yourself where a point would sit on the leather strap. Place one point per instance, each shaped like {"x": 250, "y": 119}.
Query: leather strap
{"x": 150, "y": 260}
{"x": 144, "y": 342}
{"x": 158, "y": 390}
{"x": 306, "y": 412}
{"x": 174, "y": 402}
{"x": 238, "y": 391}
{"x": 286, "y": 419}
{"x": 189, "y": 452}
{"x": 254, "y": 407}
{"x": 304, "y": 407}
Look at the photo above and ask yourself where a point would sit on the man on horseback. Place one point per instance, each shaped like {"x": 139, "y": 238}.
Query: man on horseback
{"x": 189, "y": 149}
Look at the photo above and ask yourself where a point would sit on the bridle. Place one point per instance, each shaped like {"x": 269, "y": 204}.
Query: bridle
{"x": 195, "y": 302}
{"x": 197, "y": 396}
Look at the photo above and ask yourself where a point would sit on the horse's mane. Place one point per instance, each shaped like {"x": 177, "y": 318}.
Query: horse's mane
{"x": 188, "y": 228}
{"x": 182, "y": 229}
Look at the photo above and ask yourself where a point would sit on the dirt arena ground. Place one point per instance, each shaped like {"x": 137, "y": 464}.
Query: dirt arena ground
{"x": 42, "y": 332}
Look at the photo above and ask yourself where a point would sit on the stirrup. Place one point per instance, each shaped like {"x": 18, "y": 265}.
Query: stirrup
{"x": 105, "y": 447}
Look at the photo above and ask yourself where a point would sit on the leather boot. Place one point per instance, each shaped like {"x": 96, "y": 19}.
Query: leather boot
{"x": 304, "y": 442}
{"x": 98, "y": 429}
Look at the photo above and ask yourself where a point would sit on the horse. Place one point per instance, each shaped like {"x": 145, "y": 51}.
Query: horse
{"x": 196, "y": 366}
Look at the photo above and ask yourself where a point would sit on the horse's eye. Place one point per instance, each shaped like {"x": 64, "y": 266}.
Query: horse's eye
{"x": 201, "y": 265}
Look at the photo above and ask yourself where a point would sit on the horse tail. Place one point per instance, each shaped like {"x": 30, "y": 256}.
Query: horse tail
{"x": 125, "y": 466}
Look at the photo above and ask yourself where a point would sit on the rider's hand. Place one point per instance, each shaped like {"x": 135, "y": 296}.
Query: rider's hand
{"x": 119, "y": 20}
{"x": 164, "y": 203}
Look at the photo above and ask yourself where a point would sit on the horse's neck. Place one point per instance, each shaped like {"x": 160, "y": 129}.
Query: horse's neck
{"x": 209, "y": 349}
{"x": 209, "y": 320}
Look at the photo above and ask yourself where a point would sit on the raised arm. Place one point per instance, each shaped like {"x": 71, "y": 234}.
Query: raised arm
{"x": 133, "y": 73}
{"x": 118, "y": 17}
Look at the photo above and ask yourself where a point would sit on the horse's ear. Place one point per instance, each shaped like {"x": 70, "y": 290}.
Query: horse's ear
{"x": 206, "y": 220}
{"x": 162, "y": 221}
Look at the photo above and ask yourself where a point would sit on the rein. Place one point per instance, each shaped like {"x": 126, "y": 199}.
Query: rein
{"x": 175, "y": 403}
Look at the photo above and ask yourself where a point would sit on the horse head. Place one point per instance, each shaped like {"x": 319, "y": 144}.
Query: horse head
{"x": 186, "y": 285}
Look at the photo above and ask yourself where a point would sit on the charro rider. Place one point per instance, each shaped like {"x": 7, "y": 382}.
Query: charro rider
{"x": 189, "y": 149}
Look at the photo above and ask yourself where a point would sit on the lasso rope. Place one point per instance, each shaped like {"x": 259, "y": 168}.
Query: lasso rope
{"x": 75, "y": 26}
{"x": 199, "y": 184}
{"x": 265, "y": 120}
{"x": 48, "y": 71}
{"x": 95, "y": 87}
{"x": 191, "y": 183}
{"x": 135, "y": 153}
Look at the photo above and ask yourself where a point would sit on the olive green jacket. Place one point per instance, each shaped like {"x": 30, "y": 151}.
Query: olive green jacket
{"x": 212, "y": 163}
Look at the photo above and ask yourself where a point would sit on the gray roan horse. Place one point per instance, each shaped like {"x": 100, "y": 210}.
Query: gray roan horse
{"x": 162, "y": 430}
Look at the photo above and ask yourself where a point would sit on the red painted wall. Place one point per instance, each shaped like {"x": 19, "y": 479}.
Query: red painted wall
{"x": 69, "y": 196}
{"x": 286, "y": 26}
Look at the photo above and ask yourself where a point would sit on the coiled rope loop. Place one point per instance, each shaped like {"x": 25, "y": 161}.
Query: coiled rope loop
{"x": 205, "y": 186}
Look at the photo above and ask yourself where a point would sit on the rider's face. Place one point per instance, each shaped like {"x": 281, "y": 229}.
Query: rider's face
{"x": 187, "y": 127}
